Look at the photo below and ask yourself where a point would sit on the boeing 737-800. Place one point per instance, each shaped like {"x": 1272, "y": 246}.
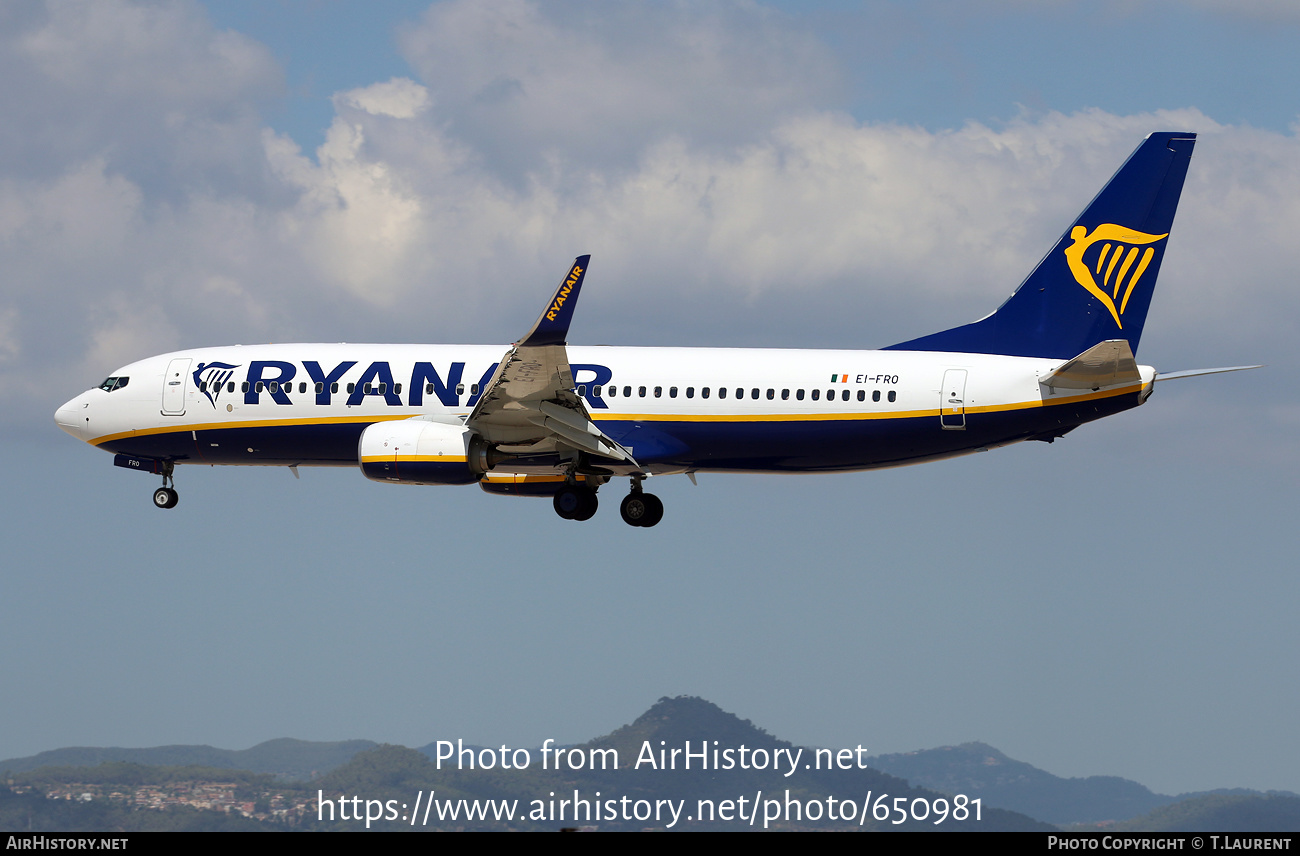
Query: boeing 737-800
{"x": 544, "y": 418}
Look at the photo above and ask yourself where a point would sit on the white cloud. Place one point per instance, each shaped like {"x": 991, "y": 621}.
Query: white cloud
{"x": 400, "y": 98}
{"x": 521, "y": 81}
{"x": 405, "y": 225}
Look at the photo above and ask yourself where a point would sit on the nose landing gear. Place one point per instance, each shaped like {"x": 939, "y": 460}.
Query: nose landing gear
{"x": 166, "y": 496}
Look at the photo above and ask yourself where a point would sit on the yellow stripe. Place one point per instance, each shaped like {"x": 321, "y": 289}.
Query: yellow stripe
{"x": 856, "y": 416}
{"x": 1123, "y": 269}
{"x": 1102, "y": 258}
{"x": 257, "y": 423}
{"x": 635, "y": 417}
{"x": 407, "y": 459}
{"x": 1142, "y": 266}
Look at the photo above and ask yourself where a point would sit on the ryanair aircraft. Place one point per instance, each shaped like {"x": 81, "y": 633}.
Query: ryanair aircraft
{"x": 547, "y": 419}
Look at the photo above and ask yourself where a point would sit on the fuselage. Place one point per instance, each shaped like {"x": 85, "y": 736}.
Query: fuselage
{"x": 674, "y": 409}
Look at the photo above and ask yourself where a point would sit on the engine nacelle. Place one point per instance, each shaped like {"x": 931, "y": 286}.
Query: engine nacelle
{"x": 415, "y": 451}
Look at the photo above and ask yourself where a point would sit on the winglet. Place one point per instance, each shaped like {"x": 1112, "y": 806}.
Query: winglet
{"x": 552, "y": 328}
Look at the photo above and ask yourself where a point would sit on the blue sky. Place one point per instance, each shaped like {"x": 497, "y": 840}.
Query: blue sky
{"x": 827, "y": 175}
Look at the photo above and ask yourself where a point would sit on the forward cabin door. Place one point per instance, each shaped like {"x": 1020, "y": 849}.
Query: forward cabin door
{"x": 173, "y": 393}
{"x": 952, "y": 400}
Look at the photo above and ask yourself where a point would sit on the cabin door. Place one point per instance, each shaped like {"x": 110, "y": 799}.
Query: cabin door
{"x": 173, "y": 393}
{"x": 952, "y": 400}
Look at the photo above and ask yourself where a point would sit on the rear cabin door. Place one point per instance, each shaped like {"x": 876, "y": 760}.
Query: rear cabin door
{"x": 952, "y": 400}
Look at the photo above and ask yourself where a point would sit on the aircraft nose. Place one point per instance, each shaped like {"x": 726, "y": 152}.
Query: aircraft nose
{"x": 71, "y": 417}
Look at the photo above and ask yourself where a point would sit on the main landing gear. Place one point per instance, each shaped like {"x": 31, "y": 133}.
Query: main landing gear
{"x": 578, "y": 502}
{"x": 166, "y": 496}
{"x": 641, "y": 509}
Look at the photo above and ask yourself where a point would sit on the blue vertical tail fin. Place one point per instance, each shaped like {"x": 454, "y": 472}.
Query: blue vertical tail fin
{"x": 1096, "y": 282}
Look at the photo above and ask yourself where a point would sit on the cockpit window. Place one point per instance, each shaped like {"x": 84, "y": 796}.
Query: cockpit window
{"x": 113, "y": 383}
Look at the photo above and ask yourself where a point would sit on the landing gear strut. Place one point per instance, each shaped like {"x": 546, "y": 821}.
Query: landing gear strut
{"x": 639, "y": 508}
{"x": 166, "y": 496}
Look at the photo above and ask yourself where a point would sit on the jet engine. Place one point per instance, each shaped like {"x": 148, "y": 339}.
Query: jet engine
{"x": 416, "y": 451}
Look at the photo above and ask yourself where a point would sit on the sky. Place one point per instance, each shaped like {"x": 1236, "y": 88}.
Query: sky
{"x": 839, "y": 175}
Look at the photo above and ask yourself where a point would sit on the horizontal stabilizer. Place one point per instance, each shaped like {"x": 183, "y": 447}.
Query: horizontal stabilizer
{"x": 1105, "y": 364}
{"x": 1199, "y": 372}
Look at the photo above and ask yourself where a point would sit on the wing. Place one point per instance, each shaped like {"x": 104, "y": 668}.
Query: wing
{"x": 529, "y": 406}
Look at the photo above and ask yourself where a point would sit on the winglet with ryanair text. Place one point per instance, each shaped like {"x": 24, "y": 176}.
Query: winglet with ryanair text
{"x": 552, "y": 327}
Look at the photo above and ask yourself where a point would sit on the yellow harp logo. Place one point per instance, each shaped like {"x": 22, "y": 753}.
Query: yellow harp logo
{"x": 1114, "y": 240}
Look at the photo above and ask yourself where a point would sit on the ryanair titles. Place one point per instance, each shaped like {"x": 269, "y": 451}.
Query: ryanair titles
{"x": 284, "y": 383}
{"x": 563, "y": 294}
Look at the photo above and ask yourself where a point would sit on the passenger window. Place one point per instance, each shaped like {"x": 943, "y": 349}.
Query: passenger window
{"x": 244, "y": 387}
{"x": 875, "y": 395}
{"x": 302, "y": 386}
{"x": 672, "y": 392}
{"x": 704, "y": 393}
{"x": 273, "y": 387}
{"x": 627, "y": 392}
{"x": 334, "y": 389}
{"x": 798, "y": 393}
{"x": 659, "y": 392}
{"x": 771, "y": 394}
{"x": 397, "y": 388}
{"x": 595, "y": 392}
{"x": 893, "y": 396}
{"x": 582, "y": 390}
{"x": 460, "y": 389}
{"x": 862, "y": 395}
{"x": 320, "y": 387}
{"x": 352, "y": 387}
{"x": 259, "y": 386}
{"x": 754, "y": 393}
{"x": 428, "y": 389}
{"x": 690, "y": 392}
{"x": 383, "y": 389}
{"x": 844, "y": 396}
{"x": 203, "y": 386}
{"x": 816, "y": 394}
{"x": 613, "y": 391}
{"x": 830, "y": 395}
{"x": 473, "y": 389}
{"x": 365, "y": 389}
{"x": 722, "y": 392}
{"x": 230, "y": 387}
{"x": 785, "y": 395}
{"x": 640, "y": 391}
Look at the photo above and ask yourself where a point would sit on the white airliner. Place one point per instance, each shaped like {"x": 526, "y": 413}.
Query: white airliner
{"x": 547, "y": 419}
